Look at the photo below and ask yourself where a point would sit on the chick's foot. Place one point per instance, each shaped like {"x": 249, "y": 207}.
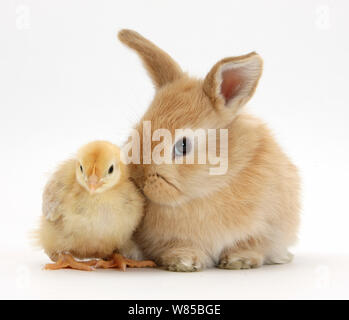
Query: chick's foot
{"x": 67, "y": 261}
{"x": 119, "y": 262}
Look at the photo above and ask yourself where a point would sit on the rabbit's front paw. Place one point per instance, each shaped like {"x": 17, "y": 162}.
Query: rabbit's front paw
{"x": 182, "y": 263}
{"x": 240, "y": 260}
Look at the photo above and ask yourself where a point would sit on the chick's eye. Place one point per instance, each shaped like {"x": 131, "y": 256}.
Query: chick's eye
{"x": 111, "y": 169}
{"x": 182, "y": 147}
{"x": 81, "y": 169}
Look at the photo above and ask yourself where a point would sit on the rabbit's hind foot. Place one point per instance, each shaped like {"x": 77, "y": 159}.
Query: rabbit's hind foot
{"x": 240, "y": 260}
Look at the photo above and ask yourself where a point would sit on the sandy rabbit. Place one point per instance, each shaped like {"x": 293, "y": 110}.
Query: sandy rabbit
{"x": 244, "y": 218}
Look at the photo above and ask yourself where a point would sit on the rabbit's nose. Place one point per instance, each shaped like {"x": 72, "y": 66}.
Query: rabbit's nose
{"x": 148, "y": 170}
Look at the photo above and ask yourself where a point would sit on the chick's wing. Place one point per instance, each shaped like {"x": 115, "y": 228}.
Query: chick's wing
{"x": 57, "y": 189}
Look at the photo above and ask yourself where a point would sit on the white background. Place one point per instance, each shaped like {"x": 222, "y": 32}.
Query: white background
{"x": 65, "y": 80}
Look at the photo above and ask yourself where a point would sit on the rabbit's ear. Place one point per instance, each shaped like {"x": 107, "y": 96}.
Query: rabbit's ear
{"x": 232, "y": 81}
{"x": 160, "y": 66}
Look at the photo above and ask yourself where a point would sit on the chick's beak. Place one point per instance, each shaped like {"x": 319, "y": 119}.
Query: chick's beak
{"x": 93, "y": 183}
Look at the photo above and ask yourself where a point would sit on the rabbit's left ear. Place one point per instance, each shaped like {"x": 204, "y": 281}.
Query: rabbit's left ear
{"x": 232, "y": 81}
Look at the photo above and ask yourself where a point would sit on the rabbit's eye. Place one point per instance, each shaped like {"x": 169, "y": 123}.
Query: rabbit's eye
{"x": 182, "y": 147}
{"x": 81, "y": 169}
{"x": 111, "y": 169}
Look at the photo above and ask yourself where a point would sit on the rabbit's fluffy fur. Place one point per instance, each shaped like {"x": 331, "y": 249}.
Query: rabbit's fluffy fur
{"x": 193, "y": 220}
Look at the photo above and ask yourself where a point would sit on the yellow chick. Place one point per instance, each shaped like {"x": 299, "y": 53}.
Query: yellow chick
{"x": 90, "y": 210}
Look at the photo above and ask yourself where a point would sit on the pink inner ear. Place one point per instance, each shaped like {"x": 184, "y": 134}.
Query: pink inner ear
{"x": 231, "y": 83}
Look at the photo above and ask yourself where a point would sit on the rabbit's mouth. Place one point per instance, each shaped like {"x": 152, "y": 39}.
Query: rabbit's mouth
{"x": 159, "y": 189}
{"x": 168, "y": 182}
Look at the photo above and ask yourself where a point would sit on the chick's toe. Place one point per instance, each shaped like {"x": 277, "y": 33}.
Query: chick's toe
{"x": 119, "y": 262}
{"x": 67, "y": 261}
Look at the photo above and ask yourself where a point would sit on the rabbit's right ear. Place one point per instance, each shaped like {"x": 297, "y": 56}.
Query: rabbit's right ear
{"x": 232, "y": 82}
{"x": 160, "y": 66}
